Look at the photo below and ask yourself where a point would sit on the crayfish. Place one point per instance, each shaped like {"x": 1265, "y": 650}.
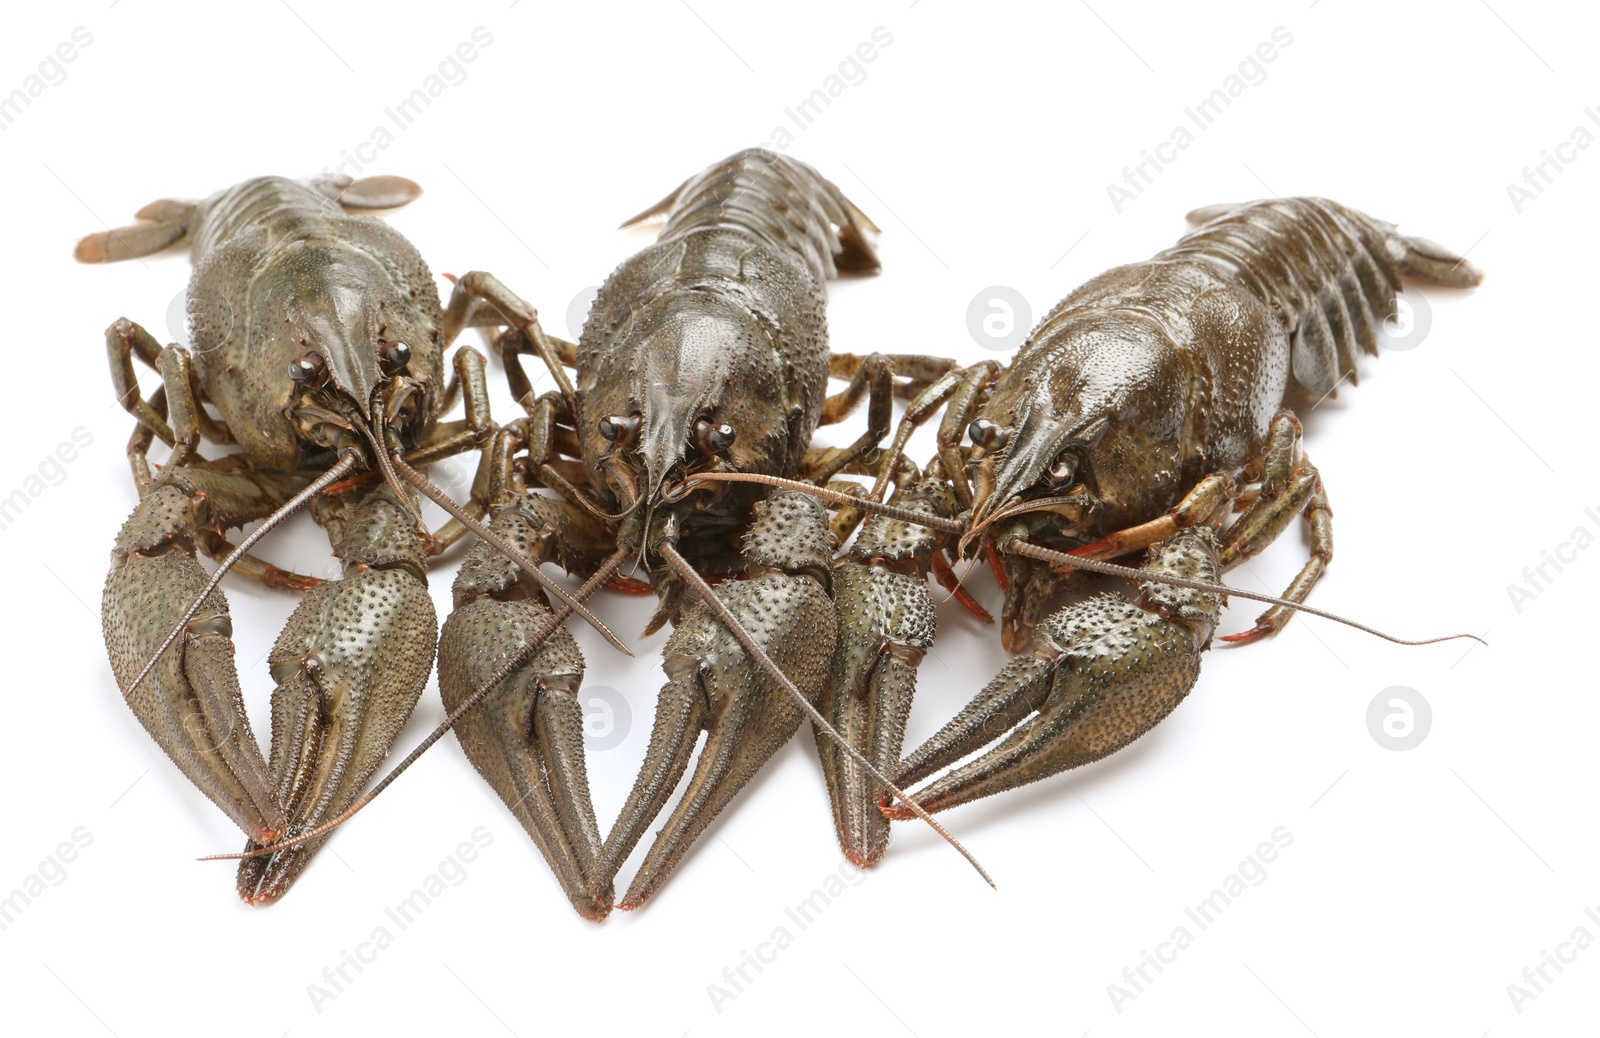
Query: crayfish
{"x": 319, "y": 340}
{"x": 1144, "y": 408}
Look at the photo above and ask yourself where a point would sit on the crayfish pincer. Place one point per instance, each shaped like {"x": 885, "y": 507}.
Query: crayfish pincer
{"x": 1147, "y": 405}
{"x": 1098, "y": 675}
{"x": 714, "y": 685}
{"x": 319, "y": 339}
{"x": 886, "y": 626}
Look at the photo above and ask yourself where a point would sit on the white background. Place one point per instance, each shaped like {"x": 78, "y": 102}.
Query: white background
{"x": 1418, "y": 885}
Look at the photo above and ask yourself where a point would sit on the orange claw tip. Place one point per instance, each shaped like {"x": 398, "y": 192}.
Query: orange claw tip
{"x": 1104, "y": 544}
{"x": 261, "y": 897}
{"x": 596, "y": 903}
{"x": 275, "y": 577}
{"x": 898, "y": 812}
{"x": 860, "y": 860}
{"x": 630, "y": 585}
{"x": 594, "y": 911}
{"x": 973, "y": 606}
{"x": 996, "y": 564}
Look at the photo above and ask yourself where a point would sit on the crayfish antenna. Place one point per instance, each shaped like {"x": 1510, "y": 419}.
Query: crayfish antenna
{"x": 1028, "y": 549}
{"x": 341, "y": 468}
{"x": 757, "y": 653}
{"x": 866, "y": 504}
{"x": 527, "y": 651}
{"x": 1019, "y": 546}
{"x": 654, "y": 212}
{"x": 444, "y": 501}
{"x": 387, "y": 470}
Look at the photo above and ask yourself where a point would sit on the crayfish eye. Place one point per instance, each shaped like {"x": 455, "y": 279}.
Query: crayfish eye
{"x": 306, "y": 368}
{"x": 619, "y": 428}
{"x": 396, "y": 355}
{"x": 988, "y": 434}
{"x": 712, "y": 437}
{"x": 1062, "y": 470}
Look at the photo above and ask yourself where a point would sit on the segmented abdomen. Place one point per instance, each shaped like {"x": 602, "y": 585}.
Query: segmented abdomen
{"x": 1329, "y": 272}
{"x": 780, "y": 202}
{"x": 284, "y": 207}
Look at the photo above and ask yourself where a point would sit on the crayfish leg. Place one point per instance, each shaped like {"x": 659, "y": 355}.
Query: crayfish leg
{"x": 1290, "y": 486}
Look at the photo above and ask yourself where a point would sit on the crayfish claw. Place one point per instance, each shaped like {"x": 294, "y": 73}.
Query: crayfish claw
{"x": 715, "y": 685}
{"x": 1101, "y": 673}
{"x": 350, "y": 665}
{"x": 191, "y": 703}
{"x": 526, "y": 737}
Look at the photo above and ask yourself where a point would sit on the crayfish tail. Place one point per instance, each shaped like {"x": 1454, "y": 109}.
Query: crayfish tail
{"x": 1333, "y": 272}
{"x": 1429, "y": 261}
